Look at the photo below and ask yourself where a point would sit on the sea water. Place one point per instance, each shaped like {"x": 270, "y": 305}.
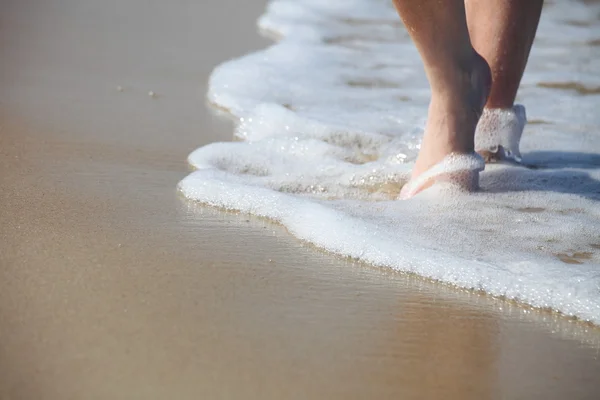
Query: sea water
{"x": 331, "y": 118}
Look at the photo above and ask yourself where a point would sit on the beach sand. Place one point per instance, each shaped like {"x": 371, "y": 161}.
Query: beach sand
{"x": 112, "y": 286}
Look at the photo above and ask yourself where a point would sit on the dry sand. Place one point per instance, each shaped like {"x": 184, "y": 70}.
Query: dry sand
{"x": 114, "y": 287}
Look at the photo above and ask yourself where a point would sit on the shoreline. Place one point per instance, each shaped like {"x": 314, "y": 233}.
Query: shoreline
{"x": 113, "y": 286}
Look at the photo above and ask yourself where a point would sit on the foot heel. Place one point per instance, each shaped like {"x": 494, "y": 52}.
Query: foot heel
{"x": 499, "y": 132}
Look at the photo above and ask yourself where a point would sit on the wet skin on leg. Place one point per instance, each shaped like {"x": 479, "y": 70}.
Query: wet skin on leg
{"x": 502, "y": 31}
{"x": 459, "y": 77}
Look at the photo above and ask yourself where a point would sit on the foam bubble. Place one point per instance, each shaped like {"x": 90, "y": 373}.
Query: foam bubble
{"x": 331, "y": 119}
{"x": 499, "y": 132}
{"x": 457, "y": 170}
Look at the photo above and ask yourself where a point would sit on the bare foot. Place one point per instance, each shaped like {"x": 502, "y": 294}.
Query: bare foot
{"x": 453, "y": 114}
{"x": 498, "y": 133}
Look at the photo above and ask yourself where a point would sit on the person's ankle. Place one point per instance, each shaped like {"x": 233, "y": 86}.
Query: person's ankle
{"x": 456, "y": 104}
{"x": 481, "y": 77}
{"x": 493, "y": 104}
{"x": 467, "y": 76}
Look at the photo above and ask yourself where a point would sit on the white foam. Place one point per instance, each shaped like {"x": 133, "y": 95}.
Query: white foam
{"x": 499, "y": 132}
{"x": 331, "y": 119}
{"x": 458, "y": 171}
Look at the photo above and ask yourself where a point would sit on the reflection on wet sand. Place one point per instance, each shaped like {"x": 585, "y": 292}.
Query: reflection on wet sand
{"x": 452, "y": 351}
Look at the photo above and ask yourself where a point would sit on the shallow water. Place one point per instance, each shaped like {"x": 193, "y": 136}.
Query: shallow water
{"x": 332, "y": 117}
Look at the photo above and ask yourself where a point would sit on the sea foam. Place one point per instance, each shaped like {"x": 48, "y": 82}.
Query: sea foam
{"x": 330, "y": 121}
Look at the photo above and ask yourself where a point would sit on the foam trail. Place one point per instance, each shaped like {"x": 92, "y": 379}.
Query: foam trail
{"x": 331, "y": 119}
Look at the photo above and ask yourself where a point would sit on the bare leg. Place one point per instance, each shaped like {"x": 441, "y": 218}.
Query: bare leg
{"x": 458, "y": 76}
{"x": 502, "y": 31}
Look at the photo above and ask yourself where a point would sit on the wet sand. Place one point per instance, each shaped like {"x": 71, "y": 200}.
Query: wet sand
{"x": 112, "y": 286}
